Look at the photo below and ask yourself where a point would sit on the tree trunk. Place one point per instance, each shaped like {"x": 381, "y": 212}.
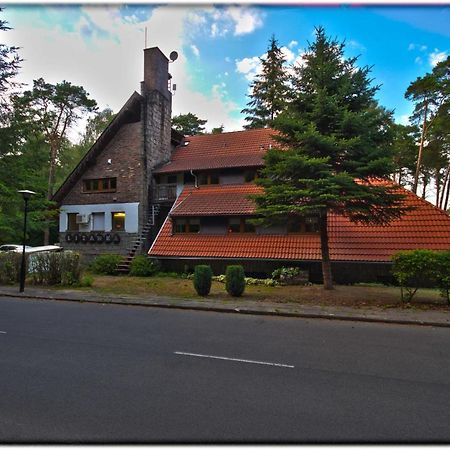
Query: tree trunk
{"x": 326, "y": 263}
{"x": 437, "y": 178}
{"x": 51, "y": 183}
{"x": 425, "y": 184}
{"x": 444, "y": 185}
{"x": 419, "y": 156}
{"x": 446, "y": 196}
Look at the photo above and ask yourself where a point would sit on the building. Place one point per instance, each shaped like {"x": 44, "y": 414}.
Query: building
{"x": 187, "y": 201}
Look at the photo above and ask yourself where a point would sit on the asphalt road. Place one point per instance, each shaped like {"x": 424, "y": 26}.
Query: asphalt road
{"x": 79, "y": 372}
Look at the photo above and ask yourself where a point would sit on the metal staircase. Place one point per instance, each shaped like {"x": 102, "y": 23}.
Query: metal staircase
{"x": 124, "y": 266}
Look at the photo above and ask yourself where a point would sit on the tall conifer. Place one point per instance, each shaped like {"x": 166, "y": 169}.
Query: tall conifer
{"x": 269, "y": 89}
{"x": 335, "y": 141}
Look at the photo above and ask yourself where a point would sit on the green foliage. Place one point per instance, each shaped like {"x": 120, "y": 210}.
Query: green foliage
{"x": 217, "y": 130}
{"x": 336, "y": 141}
{"x": 51, "y": 268}
{"x": 202, "y": 279}
{"x": 9, "y": 267}
{"x": 413, "y": 269}
{"x": 142, "y": 266}
{"x": 269, "y": 89}
{"x": 87, "y": 281}
{"x": 188, "y": 124}
{"x": 9, "y": 68}
{"x": 105, "y": 264}
{"x": 442, "y": 273}
{"x": 235, "y": 280}
{"x": 249, "y": 281}
{"x": 290, "y": 275}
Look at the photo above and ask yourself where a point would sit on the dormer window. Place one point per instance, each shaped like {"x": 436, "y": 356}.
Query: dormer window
{"x": 100, "y": 185}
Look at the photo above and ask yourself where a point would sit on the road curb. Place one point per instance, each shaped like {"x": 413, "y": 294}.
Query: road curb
{"x": 249, "y": 311}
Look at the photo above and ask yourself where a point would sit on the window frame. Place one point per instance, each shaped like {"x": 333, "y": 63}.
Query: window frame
{"x": 88, "y": 185}
{"x": 113, "y": 220}
{"x": 187, "y": 225}
{"x": 70, "y": 228}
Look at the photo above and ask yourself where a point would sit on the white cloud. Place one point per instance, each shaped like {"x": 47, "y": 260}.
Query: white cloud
{"x": 246, "y": 20}
{"x": 104, "y": 53}
{"x": 249, "y": 67}
{"x": 437, "y": 57}
{"x": 411, "y": 46}
{"x": 292, "y": 44}
{"x": 239, "y": 20}
{"x": 195, "y": 50}
{"x": 418, "y": 60}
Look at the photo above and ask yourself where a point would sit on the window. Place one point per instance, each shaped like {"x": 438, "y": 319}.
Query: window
{"x": 191, "y": 225}
{"x": 72, "y": 222}
{"x": 118, "y": 221}
{"x": 234, "y": 225}
{"x": 172, "y": 179}
{"x": 98, "y": 221}
{"x": 208, "y": 178}
{"x": 311, "y": 225}
{"x": 249, "y": 175}
{"x": 100, "y": 185}
{"x": 303, "y": 225}
{"x": 240, "y": 225}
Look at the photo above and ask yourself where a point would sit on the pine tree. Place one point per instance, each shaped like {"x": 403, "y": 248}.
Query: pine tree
{"x": 335, "y": 141}
{"x": 269, "y": 89}
{"x": 431, "y": 94}
{"x": 188, "y": 124}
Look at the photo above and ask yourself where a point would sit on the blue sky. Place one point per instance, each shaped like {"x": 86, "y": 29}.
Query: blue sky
{"x": 100, "y": 47}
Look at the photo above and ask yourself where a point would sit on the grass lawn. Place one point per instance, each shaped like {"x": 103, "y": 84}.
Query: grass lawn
{"x": 355, "y": 296}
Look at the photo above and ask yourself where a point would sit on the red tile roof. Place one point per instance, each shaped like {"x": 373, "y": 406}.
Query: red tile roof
{"x": 216, "y": 200}
{"x": 217, "y": 151}
{"x": 424, "y": 227}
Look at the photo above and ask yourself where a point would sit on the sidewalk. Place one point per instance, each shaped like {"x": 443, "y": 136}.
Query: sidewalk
{"x": 242, "y": 306}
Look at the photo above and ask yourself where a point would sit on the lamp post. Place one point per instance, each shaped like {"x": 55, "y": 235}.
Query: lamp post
{"x": 26, "y": 196}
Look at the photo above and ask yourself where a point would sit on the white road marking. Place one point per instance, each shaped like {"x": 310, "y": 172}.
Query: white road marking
{"x": 235, "y": 359}
{"x": 2, "y": 332}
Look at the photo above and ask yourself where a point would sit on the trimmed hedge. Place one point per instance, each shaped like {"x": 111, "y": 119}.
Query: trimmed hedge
{"x": 235, "y": 280}
{"x": 105, "y": 264}
{"x": 202, "y": 279}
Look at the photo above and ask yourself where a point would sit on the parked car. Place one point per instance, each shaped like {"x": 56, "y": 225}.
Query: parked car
{"x": 14, "y": 248}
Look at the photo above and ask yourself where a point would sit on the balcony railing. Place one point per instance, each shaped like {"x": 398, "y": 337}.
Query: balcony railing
{"x": 164, "y": 192}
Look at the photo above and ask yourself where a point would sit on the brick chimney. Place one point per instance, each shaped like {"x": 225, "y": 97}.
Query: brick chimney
{"x": 156, "y": 71}
{"x": 156, "y": 117}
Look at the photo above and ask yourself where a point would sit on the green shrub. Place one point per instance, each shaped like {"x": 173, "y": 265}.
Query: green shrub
{"x": 414, "y": 269}
{"x": 235, "y": 280}
{"x": 202, "y": 280}
{"x": 442, "y": 274}
{"x": 9, "y": 267}
{"x": 290, "y": 275}
{"x": 105, "y": 264}
{"x": 142, "y": 266}
{"x": 50, "y": 268}
{"x": 87, "y": 281}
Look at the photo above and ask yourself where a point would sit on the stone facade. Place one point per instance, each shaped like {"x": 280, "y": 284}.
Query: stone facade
{"x": 89, "y": 251}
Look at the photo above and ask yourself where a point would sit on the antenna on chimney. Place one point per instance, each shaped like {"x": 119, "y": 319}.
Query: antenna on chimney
{"x": 145, "y": 39}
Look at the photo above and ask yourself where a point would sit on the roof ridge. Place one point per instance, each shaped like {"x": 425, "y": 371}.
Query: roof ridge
{"x": 228, "y": 132}
{"x": 426, "y": 202}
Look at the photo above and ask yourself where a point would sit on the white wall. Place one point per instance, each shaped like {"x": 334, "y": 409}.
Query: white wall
{"x": 130, "y": 210}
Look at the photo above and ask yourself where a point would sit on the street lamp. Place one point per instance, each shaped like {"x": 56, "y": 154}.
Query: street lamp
{"x": 26, "y": 196}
